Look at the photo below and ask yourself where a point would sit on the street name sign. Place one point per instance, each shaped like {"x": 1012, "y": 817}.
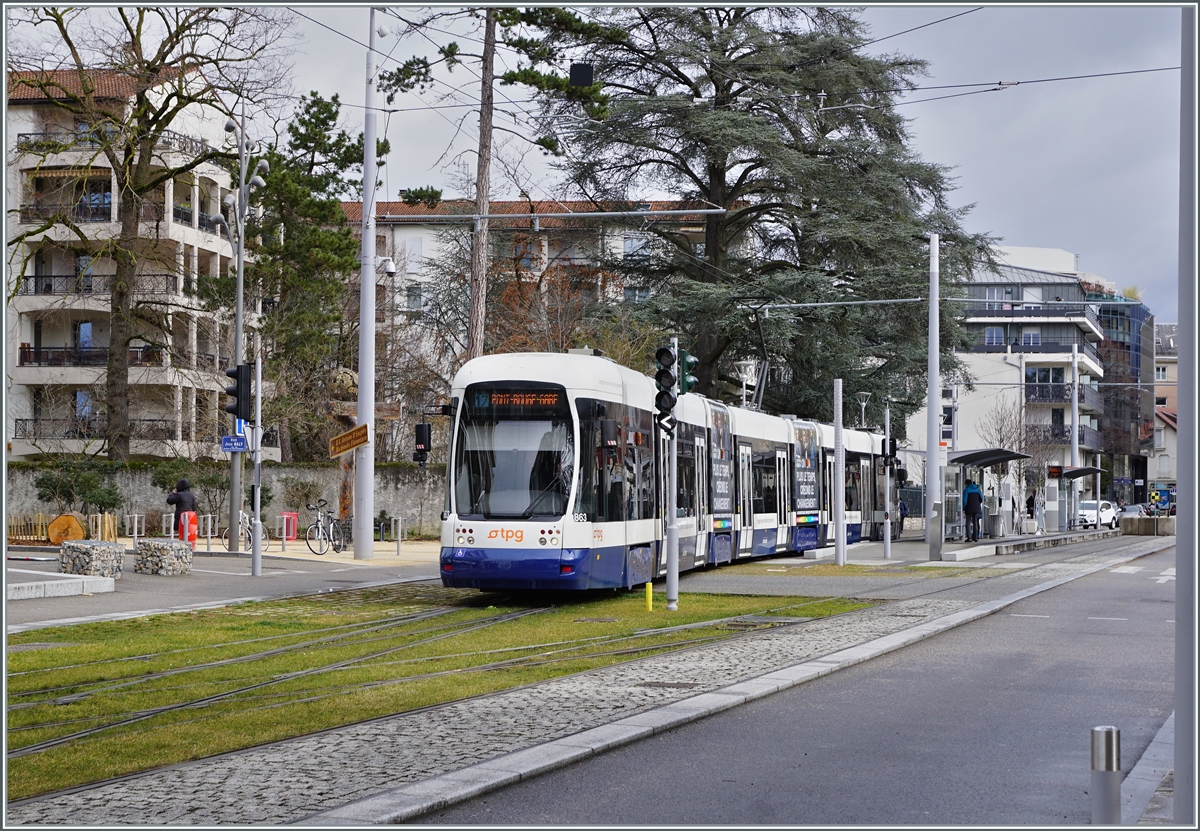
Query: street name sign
{"x": 234, "y": 444}
{"x": 348, "y": 441}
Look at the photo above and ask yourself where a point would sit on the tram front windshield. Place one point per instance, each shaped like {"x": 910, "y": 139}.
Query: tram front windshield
{"x": 514, "y": 454}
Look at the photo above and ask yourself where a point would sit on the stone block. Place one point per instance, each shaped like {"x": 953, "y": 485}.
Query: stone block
{"x": 168, "y": 558}
{"x": 92, "y": 558}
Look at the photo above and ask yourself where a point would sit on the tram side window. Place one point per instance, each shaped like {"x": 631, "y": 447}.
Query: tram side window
{"x": 853, "y": 486}
{"x": 685, "y": 479}
{"x": 764, "y": 487}
{"x": 602, "y": 473}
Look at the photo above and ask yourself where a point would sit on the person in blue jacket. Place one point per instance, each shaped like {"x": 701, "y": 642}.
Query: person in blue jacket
{"x": 973, "y": 508}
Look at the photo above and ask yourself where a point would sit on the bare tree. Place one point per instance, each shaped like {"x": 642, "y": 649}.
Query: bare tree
{"x": 124, "y": 77}
{"x": 1004, "y": 425}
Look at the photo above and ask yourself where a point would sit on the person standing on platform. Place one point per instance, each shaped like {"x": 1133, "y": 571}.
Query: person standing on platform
{"x": 973, "y": 508}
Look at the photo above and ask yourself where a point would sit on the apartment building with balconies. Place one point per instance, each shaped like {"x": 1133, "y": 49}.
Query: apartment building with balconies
{"x": 1035, "y": 362}
{"x": 63, "y": 214}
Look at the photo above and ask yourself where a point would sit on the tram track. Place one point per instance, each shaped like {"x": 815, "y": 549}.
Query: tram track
{"x": 205, "y": 700}
{"x": 570, "y": 646}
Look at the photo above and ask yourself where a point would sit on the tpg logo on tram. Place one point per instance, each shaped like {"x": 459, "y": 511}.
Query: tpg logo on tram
{"x": 506, "y": 534}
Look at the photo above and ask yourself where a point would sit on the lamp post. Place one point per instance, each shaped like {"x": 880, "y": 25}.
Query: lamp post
{"x": 237, "y": 235}
{"x": 744, "y": 368}
{"x": 863, "y": 398}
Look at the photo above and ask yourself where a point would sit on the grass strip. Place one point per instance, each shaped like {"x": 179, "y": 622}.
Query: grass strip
{"x": 280, "y": 693}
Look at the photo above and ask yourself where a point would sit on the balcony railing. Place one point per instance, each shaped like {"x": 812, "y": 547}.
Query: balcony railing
{"x": 1061, "y": 394}
{"x": 208, "y": 222}
{"x": 1061, "y": 434}
{"x": 86, "y": 356}
{"x": 51, "y": 284}
{"x": 93, "y": 427}
{"x": 1043, "y": 346}
{"x": 182, "y": 213}
{"x": 1032, "y": 311}
{"x": 74, "y": 211}
{"x": 62, "y": 141}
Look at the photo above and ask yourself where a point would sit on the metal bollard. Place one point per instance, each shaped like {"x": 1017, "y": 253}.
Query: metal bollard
{"x": 1106, "y": 776}
{"x": 397, "y": 531}
{"x": 207, "y": 522}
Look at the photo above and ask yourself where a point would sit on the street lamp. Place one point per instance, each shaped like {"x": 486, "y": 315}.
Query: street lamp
{"x": 237, "y": 235}
{"x": 744, "y": 368}
{"x": 863, "y": 398}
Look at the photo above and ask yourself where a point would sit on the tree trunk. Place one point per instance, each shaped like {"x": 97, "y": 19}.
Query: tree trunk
{"x": 479, "y": 241}
{"x": 120, "y": 328}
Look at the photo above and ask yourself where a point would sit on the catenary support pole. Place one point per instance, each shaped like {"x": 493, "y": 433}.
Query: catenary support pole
{"x": 364, "y": 458}
{"x": 933, "y": 420}
{"x": 887, "y": 480}
{"x": 672, "y": 497}
{"x": 239, "y": 221}
{"x": 1185, "y": 548}
{"x": 839, "y": 478}
{"x": 1073, "y": 508}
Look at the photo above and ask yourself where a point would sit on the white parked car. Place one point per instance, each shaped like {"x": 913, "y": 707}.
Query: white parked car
{"x": 1086, "y": 517}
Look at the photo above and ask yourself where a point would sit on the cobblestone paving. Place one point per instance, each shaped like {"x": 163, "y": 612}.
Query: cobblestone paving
{"x": 288, "y": 781}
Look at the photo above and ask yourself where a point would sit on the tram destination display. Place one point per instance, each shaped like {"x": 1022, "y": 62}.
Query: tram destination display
{"x": 523, "y": 402}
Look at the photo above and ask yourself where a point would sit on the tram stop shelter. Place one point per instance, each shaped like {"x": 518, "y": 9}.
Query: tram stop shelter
{"x": 1067, "y": 495}
{"x": 973, "y": 464}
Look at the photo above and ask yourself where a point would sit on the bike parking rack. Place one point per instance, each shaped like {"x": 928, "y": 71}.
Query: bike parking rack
{"x": 132, "y": 526}
{"x": 207, "y": 529}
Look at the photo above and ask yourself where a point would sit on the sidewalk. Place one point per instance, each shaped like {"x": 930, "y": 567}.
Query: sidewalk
{"x": 401, "y": 767}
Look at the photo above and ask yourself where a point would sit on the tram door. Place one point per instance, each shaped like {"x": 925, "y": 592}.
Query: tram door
{"x": 831, "y": 529}
{"x": 703, "y": 510}
{"x": 745, "y": 529}
{"x": 783, "y": 499}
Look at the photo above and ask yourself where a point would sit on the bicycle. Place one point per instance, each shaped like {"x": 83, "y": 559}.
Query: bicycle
{"x": 325, "y": 531}
{"x": 247, "y": 534}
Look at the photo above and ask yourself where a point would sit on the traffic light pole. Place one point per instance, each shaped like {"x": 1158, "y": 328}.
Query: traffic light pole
{"x": 672, "y": 512}
{"x": 256, "y": 432}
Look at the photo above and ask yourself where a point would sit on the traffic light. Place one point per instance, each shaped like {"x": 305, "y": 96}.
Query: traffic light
{"x": 664, "y": 402}
{"x": 687, "y": 381}
{"x": 424, "y": 443}
{"x": 241, "y": 406}
{"x": 891, "y": 448}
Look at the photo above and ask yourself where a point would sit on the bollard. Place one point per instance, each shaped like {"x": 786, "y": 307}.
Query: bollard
{"x": 1106, "y": 776}
{"x": 397, "y": 531}
{"x": 131, "y": 523}
{"x": 209, "y": 523}
{"x": 649, "y": 597}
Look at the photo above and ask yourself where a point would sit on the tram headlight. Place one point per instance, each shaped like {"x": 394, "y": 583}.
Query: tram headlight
{"x": 542, "y": 540}
{"x": 461, "y": 540}
{"x": 470, "y": 540}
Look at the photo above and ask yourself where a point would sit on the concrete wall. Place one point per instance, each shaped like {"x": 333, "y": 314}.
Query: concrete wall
{"x": 403, "y": 491}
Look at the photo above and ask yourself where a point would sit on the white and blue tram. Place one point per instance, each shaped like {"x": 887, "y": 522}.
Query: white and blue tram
{"x": 557, "y": 478}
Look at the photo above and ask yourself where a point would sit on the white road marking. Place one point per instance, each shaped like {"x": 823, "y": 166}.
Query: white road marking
{"x": 1016, "y": 615}
{"x": 1128, "y": 569}
{"x": 1108, "y": 618}
{"x": 1170, "y": 571}
{"x": 1164, "y": 579}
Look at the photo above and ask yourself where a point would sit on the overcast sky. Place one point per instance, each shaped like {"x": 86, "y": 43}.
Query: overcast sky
{"x": 1090, "y": 166}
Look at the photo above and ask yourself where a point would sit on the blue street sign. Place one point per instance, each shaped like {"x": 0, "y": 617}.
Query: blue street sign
{"x": 234, "y": 444}
{"x": 239, "y": 426}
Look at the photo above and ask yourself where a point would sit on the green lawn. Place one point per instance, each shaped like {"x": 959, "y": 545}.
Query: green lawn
{"x": 280, "y": 669}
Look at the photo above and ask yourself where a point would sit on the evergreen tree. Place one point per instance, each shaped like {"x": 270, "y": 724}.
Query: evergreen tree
{"x": 726, "y": 107}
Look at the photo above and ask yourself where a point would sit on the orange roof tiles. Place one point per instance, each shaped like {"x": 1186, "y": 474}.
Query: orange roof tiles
{"x": 106, "y": 84}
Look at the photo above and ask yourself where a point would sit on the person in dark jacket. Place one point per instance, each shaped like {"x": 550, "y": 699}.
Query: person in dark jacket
{"x": 1030, "y": 505}
{"x": 973, "y": 508}
{"x": 183, "y": 499}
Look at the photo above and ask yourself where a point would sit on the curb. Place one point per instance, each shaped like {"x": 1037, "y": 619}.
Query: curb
{"x": 1147, "y": 775}
{"x": 65, "y": 585}
{"x": 419, "y": 798}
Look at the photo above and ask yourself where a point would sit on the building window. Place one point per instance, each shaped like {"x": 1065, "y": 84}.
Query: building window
{"x": 1159, "y": 441}
{"x": 636, "y": 294}
{"x": 999, "y": 298}
{"x": 993, "y": 336}
{"x": 636, "y": 246}
{"x": 413, "y": 299}
{"x": 1057, "y": 417}
{"x": 1160, "y": 373}
{"x": 1031, "y": 336}
{"x": 1160, "y": 401}
{"x": 1164, "y": 466}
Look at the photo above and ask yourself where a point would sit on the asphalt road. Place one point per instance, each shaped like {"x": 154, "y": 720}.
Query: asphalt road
{"x": 986, "y": 724}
